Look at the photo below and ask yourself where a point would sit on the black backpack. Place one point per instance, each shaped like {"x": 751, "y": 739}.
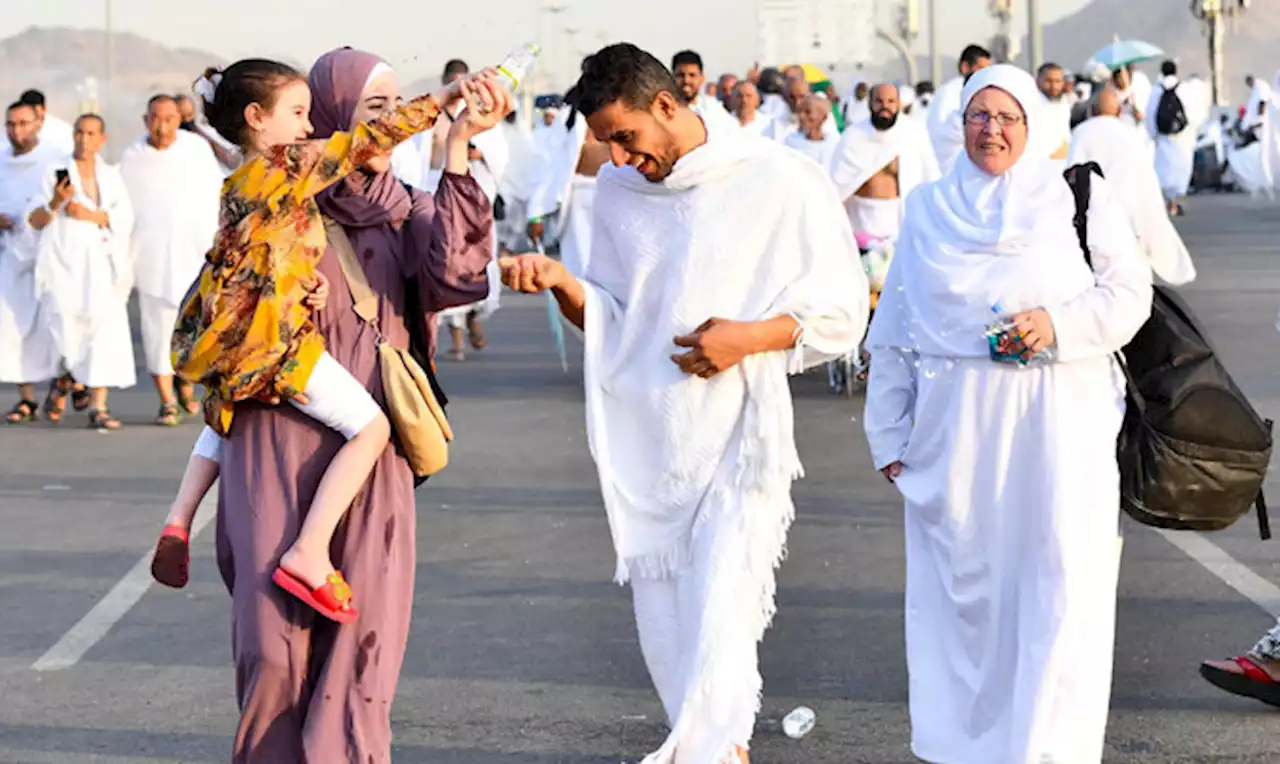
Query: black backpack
{"x": 1171, "y": 117}
{"x": 1193, "y": 453}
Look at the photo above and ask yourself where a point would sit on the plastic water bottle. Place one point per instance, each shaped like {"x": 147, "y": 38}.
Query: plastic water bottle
{"x": 517, "y": 65}
{"x": 799, "y": 722}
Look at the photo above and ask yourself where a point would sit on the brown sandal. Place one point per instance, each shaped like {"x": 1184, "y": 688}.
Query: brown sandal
{"x": 170, "y": 415}
{"x": 55, "y": 403}
{"x": 190, "y": 406}
{"x": 101, "y": 419}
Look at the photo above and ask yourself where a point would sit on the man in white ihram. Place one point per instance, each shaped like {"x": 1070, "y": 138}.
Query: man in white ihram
{"x": 880, "y": 160}
{"x": 1175, "y": 144}
{"x": 83, "y": 274}
{"x": 718, "y": 265}
{"x": 175, "y": 182}
{"x": 1120, "y": 153}
{"x": 27, "y": 355}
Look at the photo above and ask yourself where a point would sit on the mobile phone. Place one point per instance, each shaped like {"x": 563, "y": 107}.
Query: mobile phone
{"x": 61, "y": 176}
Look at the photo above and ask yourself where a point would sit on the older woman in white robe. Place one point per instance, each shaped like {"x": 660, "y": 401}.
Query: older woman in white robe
{"x": 1008, "y": 472}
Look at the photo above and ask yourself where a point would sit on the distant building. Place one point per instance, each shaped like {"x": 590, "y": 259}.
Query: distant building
{"x": 827, "y": 33}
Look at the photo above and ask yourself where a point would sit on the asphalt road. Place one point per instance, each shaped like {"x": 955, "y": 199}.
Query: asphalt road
{"x": 522, "y": 650}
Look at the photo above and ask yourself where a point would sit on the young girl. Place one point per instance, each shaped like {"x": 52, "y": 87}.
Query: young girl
{"x": 246, "y": 332}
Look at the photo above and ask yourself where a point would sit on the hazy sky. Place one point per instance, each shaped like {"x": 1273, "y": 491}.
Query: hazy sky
{"x": 416, "y": 36}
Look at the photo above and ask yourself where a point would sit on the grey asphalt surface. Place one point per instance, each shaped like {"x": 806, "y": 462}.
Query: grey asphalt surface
{"x": 522, "y": 650}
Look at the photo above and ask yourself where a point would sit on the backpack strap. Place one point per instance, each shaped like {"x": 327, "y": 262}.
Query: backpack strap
{"x": 1260, "y": 505}
{"x": 365, "y": 302}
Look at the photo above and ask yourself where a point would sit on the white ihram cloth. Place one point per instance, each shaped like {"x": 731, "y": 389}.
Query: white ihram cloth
{"x": 763, "y": 125}
{"x": 717, "y": 120}
{"x": 1134, "y": 186}
{"x": 27, "y": 353}
{"x": 1254, "y": 165}
{"x": 946, "y": 123}
{"x": 554, "y": 173}
{"x": 821, "y": 151}
{"x": 575, "y": 231}
{"x": 864, "y": 151}
{"x": 1175, "y": 154}
{"x": 1008, "y": 473}
{"x": 742, "y": 229}
{"x": 83, "y": 277}
{"x": 175, "y": 195}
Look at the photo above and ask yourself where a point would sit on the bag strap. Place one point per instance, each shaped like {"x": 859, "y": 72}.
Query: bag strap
{"x": 365, "y": 302}
{"x": 1260, "y": 505}
{"x": 1080, "y": 178}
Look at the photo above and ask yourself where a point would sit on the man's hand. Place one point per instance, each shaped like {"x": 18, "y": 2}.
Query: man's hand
{"x": 532, "y": 273}
{"x": 6, "y": 223}
{"x": 62, "y": 194}
{"x": 318, "y": 297}
{"x": 536, "y": 230}
{"x": 714, "y": 347}
{"x": 474, "y": 154}
{"x": 892, "y": 471}
{"x": 77, "y": 211}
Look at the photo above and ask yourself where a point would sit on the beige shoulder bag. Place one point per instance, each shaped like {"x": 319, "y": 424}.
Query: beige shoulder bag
{"x": 416, "y": 415}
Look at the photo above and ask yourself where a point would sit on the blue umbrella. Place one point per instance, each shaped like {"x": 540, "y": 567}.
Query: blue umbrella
{"x": 553, "y": 317}
{"x": 1124, "y": 52}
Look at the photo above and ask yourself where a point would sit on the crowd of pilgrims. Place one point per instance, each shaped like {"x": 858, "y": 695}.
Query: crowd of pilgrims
{"x": 959, "y": 185}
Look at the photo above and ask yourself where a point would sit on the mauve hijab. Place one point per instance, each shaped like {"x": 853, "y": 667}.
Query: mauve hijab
{"x": 362, "y": 199}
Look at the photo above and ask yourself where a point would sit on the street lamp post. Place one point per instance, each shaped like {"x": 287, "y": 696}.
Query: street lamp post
{"x": 1214, "y": 15}
{"x": 1035, "y": 34}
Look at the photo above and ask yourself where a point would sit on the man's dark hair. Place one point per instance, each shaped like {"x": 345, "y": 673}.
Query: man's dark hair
{"x": 1047, "y": 67}
{"x": 19, "y": 104}
{"x": 102, "y": 123}
{"x": 32, "y": 98}
{"x": 973, "y": 54}
{"x": 685, "y": 58}
{"x": 158, "y": 97}
{"x": 1168, "y": 69}
{"x": 771, "y": 81}
{"x": 620, "y": 73}
{"x": 924, "y": 87}
{"x": 456, "y": 66}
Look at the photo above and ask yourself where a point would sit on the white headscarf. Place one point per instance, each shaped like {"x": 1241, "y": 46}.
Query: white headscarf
{"x": 973, "y": 240}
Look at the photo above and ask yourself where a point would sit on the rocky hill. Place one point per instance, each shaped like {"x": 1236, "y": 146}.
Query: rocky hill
{"x": 69, "y": 65}
{"x": 1251, "y": 45}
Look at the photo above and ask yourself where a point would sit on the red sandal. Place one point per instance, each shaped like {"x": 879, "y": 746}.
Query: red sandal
{"x": 172, "y": 559}
{"x": 1253, "y": 683}
{"x": 332, "y": 600}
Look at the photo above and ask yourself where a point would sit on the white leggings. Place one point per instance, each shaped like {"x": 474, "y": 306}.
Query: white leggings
{"x": 671, "y": 616}
{"x": 335, "y": 399}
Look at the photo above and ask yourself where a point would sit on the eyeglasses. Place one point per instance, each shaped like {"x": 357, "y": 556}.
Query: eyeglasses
{"x": 984, "y": 118}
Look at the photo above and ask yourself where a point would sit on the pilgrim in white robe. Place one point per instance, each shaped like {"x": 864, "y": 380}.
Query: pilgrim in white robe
{"x": 863, "y": 151}
{"x": 27, "y": 352}
{"x": 563, "y": 197}
{"x": 821, "y": 151}
{"x": 1176, "y": 154}
{"x": 1057, "y": 115}
{"x": 83, "y": 277}
{"x": 516, "y": 185}
{"x": 946, "y": 123}
{"x": 1008, "y": 473}
{"x": 699, "y": 514}
{"x": 1253, "y": 166}
{"x": 175, "y": 195}
{"x": 1134, "y": 186}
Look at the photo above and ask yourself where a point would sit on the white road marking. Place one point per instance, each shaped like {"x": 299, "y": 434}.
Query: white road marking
{"x": 96, "y": 624}
{"x": 1215, "y": 559}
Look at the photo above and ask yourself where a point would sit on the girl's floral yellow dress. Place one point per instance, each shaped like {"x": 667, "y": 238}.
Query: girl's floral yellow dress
{"x": 245, "y": 331}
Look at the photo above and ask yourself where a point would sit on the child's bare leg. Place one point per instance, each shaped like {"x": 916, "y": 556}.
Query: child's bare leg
{"x": 199, "y": 477}
{"x": 308, "y": 558}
